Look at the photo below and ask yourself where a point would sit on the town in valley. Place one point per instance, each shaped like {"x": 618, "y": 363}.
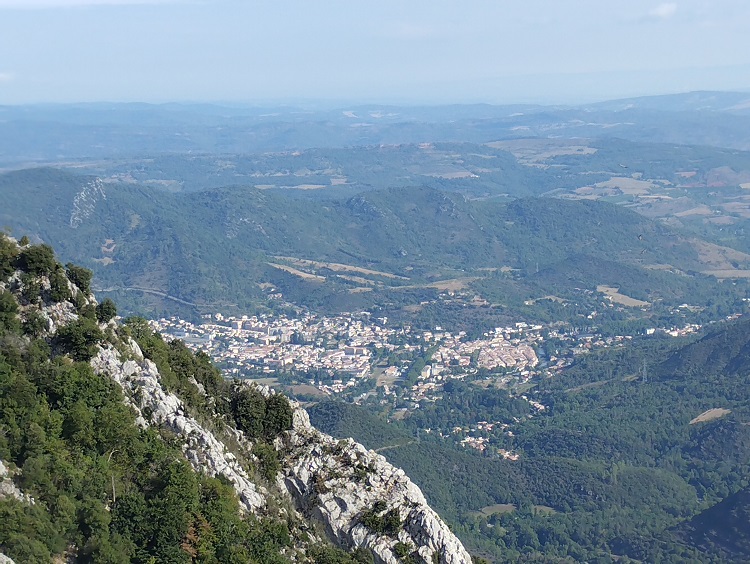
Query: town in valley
{"x": 368, "y": 360}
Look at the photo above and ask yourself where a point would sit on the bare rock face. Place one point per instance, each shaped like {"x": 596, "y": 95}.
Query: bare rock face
{"x": 9, "y": 489}
{"x": 339, "y": 482}
{"x": 5, "y": 560}
{"x": 141, "y": 383}
{"x": 58, "y": 315}
{"x": 85, "y": 201}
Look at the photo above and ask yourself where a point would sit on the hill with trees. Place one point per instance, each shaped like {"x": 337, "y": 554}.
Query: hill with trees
{"x": 45, "y": 133}
{"x": 232, "y": 248}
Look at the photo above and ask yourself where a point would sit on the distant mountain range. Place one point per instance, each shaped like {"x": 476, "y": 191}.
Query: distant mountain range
{"x": 54, "y": 133}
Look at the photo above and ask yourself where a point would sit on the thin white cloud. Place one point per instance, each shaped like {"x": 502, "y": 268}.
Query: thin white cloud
{"x": 5, "y": 77}
{"x": 664, "y": 11}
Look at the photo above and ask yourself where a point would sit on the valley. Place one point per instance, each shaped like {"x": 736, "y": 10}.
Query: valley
{"x": 374, "y": 283}
{"x": 539, "y": 313}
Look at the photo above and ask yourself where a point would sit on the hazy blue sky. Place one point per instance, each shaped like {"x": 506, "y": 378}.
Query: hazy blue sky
{"x": 379, "y": 50}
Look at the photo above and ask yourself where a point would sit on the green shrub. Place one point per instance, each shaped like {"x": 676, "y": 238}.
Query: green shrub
{"x": 363, "y": 556}
{"x": 38, "y": 260}
{"x": 249, "y": 410}
{"x": 278, "y": 417}
{"x": 59, "y": 289}
{"x": 8, "y": 255}
{"x": 9, "y": 322}
{"x": 257, "y": 416}
{"x": 88, "y": 311}
{"x": 32, "y": 289}
{"x": 80, "y": 338}
{"x": 269, "y": 460}
{"x": 79, "y": 276}
{"x": 401, "y": 549}
{"x": 35, "y": 324}
{"x": 388, "y": 524}
{"x": 321, "y": 554}
{"x": 106, "y": 310}
{"x": 392, "y": 522}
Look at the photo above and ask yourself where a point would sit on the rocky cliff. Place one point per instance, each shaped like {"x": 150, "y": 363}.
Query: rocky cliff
{"x": 336, "y": 482}
{"x": 140, "y": 380}
{"x": 354, "y": 492}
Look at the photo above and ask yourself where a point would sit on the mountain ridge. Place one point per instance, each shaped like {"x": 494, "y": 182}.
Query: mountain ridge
{"x": 135, "y": 238}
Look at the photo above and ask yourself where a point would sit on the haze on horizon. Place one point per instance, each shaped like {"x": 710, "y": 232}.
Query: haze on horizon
{"x": 421, "y": 51}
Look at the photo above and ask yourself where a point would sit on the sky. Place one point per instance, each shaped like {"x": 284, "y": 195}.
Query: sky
{"x": 387, "y": 51}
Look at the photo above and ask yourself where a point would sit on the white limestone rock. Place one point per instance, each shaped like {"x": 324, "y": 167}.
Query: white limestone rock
{"x": 85, "y": 201}
{"x": 155, "y": 406}
{"x": 337, "y": 480}
{"x": 9, "y": 489}
{"x": 55, "y": 314}
{"x": 5, "y": 560}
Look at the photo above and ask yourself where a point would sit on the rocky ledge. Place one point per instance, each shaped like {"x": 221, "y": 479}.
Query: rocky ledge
{"x": 9, "y": 489}
{"x": 363, "y": 500}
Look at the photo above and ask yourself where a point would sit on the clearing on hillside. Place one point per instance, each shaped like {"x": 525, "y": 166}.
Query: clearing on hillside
{"x": 497, "y": 508}
{"x": 301, "y": 274}
{"x": 615, "y": 295}
{"x": 728, "y": 273}
{"x": 710, "y": 415}
{"x": 337, "y": 267}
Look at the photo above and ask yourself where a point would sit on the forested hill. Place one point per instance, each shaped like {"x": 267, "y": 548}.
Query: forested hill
{"x": 723, "y": 530}
{"x": 82, "y": 476}
{"x": 96, "y": 131}
{"x": 218, "y": 249}
{"x": 723, "y": 352}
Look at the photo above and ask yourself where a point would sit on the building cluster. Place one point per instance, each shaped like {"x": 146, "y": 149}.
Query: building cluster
{"x": 335, "y": 354}
{"x": 359, "y": 357}
{"x": 505, "y": 347}
{"x": 363, "y": 359}
{"x": 270, "y": 344}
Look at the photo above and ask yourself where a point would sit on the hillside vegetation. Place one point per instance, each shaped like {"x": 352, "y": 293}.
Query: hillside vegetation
{"x": 235, "y": 248}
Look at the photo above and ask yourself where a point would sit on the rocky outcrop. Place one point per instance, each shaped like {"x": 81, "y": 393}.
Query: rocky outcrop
{"x": 55, "y": 314}
{"x": 9, "y": 489}
{"x": 5, "y": 560}
{"x": 335, "y": 481}
{"x": 339, "y": 482}
{"x": 140, "y": 380}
